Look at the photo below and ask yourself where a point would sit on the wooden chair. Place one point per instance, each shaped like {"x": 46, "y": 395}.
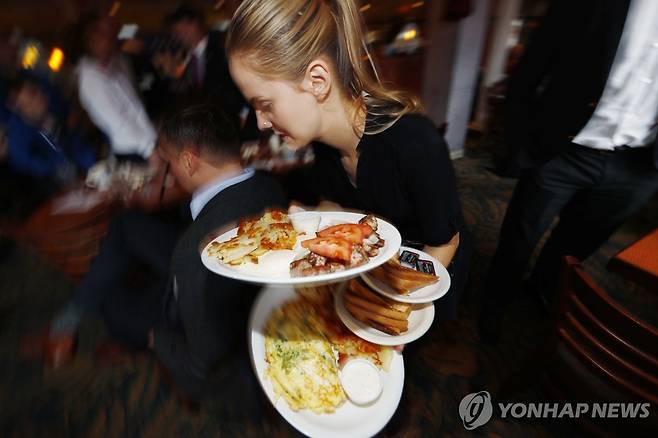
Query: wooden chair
{"x": 600, "y": 351}
{"x": 69, "y": 241}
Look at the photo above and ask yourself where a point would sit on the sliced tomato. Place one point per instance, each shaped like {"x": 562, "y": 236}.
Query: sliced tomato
{"x": 366, "y": 230}
{"x": 352, "y": 232}
{"x": 330, "y": 247}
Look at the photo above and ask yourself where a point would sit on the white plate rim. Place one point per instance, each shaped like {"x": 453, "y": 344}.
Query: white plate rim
{"x": 394, "y": 391}
{"x": 362, "y": 330}
{"x": 386, "y": 230}
{"x": 415, "y": 297}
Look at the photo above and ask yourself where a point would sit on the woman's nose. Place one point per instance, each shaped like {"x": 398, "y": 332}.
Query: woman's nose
{"x": 263, "y": 122}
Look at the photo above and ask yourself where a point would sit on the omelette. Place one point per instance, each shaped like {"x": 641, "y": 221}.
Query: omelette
{"x": 301, "y": 362}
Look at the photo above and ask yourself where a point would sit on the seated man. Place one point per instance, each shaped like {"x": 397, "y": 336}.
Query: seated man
{"x": 201, "y": 339}
{"x": 38, "y": 145}
{"x": 200, "y": 335}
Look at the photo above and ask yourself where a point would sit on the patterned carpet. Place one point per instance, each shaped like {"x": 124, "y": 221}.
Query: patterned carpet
{"x": 90, "y": 399}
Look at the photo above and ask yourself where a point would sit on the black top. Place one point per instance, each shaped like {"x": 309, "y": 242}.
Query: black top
{"x": 404, "y": 175}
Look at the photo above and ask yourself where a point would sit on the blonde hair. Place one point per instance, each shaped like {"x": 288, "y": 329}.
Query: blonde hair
{"x": 279, "y": 38}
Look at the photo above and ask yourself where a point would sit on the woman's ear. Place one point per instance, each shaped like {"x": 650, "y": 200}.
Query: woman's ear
{"x": 317, "y": 79}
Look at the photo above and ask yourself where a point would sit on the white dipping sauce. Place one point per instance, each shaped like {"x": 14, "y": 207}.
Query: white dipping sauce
{"x": 361, "y": 381}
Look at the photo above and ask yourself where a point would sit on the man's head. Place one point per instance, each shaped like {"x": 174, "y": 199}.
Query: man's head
{"x": 29, "y": 99}
{"x": 100, "y": 35}
{"x": 199, "y": 143}
{"x": 188, "y": 25}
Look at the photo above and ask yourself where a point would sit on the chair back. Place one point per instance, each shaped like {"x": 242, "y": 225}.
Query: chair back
{"x": 616, "y": 346}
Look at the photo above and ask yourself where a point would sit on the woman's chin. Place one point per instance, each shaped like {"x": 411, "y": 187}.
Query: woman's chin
{"x": 292, "y": 143}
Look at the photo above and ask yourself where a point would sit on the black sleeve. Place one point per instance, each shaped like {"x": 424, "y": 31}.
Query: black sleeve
{"x": 429, "y": 180}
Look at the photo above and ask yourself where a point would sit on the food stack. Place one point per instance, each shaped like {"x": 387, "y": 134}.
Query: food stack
{"x": 375, "y": 310}
{"x": 402, "y": 278}
{"x": 389, "y": 307}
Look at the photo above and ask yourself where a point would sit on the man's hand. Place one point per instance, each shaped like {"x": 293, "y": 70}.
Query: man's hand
{"x": 169, "y": 64}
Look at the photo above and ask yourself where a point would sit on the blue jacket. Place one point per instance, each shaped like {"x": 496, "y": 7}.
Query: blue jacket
{"x": 33, "y": 152}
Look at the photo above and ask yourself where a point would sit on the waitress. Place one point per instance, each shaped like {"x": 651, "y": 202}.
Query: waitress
{"x": 300, "y": 63}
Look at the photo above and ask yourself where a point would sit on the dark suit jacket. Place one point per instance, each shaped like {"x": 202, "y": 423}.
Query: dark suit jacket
{"x": 218, "y": 86}
{"x": 201, "y": 339}
{"x": 555, "y": 88}
{"x": 168, "y": 96}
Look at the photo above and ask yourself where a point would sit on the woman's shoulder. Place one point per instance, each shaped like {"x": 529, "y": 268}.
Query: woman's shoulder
{"x": 412, "y": 133}
{"x": 416, "y": 125}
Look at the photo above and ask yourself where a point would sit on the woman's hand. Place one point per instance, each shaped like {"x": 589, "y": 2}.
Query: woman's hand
{"x": 296, "y": 208}
{"x": 322, "y": 206}
{"x": 329, "y": 206}
{"x": 444, "y": 253}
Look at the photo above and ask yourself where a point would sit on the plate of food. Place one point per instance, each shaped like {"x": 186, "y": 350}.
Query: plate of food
{"x": 379, "y": 319}
{"x": 302, "y": 248}
{"x": 321, "y": 378}
{"x": 412, "y": 277}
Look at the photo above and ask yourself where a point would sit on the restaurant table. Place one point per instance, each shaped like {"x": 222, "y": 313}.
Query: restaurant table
{"x": 68, "y": 228}
{"x": 639, "y": 261}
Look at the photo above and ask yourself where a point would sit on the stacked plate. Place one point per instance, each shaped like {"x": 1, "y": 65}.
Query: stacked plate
{"x": 422, "y": 313}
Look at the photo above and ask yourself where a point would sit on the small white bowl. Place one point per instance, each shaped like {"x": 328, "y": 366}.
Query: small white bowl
{"x": 361, "y": 381}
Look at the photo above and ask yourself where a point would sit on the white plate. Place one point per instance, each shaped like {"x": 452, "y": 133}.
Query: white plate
{"x": 348, "y": 420}
{"x": 385, "y": 230}
{"x": 420, "y": 320}
{"x": 425, "y": 294}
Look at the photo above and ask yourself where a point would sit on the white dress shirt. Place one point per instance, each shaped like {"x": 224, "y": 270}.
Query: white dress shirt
{"x": 204, "y": 194}
{"x": 108, "y": 96}
{"x": 627, "y": 113}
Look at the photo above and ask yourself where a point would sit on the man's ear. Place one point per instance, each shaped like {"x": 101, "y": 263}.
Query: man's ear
{"x": 190, "y": 161}
{"x": 317, "y": 79}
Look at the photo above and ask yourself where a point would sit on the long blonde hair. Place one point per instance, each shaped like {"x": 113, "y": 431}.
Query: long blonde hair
{"x": 279, "y": 38}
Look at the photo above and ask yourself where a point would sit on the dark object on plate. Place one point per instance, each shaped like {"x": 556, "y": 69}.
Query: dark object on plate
{"x": 408, "y": 259}
{"x": 425, "y": 266}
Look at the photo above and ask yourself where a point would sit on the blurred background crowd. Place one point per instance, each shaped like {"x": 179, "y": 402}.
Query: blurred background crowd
{"x": 82, "y": 81}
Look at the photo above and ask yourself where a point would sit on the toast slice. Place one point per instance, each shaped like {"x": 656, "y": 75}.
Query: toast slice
{"x": 404, "y": 280}
{"x": 382, "y": 313}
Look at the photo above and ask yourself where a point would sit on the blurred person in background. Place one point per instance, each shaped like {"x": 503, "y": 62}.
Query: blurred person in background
{"x": 202, "y": 75}
{"x": 38, "y": 144}
{"x": 581, "y": 121}
{"x": 108, "y": 94}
